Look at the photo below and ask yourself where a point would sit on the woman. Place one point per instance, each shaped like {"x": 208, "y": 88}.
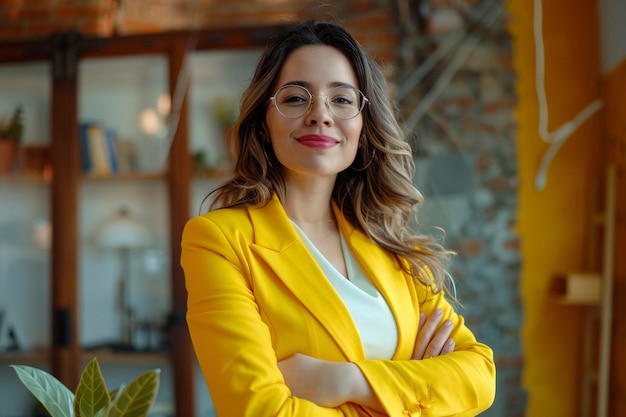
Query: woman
{"x": 308, "y": 295}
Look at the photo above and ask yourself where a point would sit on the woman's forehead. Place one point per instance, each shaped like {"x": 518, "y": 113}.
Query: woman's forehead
{"x": 317, "y": 65}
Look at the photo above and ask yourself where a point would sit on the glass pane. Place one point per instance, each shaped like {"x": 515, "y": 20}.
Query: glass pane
{"x": 125, "y": 272}
{"x": 25, "y": 231}
{"x": 128, "y": 100}
{"x": 218, "y": 79}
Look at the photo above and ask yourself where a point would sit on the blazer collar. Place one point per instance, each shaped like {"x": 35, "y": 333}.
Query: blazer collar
{"x": 278, "y": 244}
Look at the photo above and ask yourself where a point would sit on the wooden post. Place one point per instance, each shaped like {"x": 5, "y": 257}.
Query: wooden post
{"x": 179, "y": 181}
{"x": 65, "y": 154}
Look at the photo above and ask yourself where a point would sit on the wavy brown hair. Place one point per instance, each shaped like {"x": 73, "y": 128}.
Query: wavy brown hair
{"x": 376, "y": 194}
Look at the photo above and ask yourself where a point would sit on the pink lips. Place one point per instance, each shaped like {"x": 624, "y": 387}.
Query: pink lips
{"x": 317, "y": 141}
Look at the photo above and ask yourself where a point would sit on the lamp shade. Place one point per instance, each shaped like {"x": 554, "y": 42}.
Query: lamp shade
{"x": 123, "y": 231}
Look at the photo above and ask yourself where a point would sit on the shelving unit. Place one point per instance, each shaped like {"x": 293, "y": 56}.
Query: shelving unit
{"x": 64, "y": 53}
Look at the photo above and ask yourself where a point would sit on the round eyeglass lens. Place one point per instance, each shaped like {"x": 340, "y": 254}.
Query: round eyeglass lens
{"x": 344, "y": 102}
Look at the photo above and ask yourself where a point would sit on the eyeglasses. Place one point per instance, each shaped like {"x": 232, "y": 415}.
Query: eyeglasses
{"x": 293, "y": 101}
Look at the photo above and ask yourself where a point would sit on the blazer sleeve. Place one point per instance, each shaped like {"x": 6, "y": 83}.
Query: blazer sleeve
{"x": 232, "y": 343}
{"x": 460, "y": 383}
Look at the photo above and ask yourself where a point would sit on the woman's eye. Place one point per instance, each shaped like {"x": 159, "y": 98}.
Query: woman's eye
{"x": 295, "y": 99}
{"x": 342, "y": 100}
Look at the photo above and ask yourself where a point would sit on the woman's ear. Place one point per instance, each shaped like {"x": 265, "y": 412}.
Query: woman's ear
{"x": 362, "y": 139}
{"x": 265, "y": 138}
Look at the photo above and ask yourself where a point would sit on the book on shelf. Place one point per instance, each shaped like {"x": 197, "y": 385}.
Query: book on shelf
{"x": 126, "y": 155}
{"x": 98, "y": 150}
{"x": 110, "y": 140}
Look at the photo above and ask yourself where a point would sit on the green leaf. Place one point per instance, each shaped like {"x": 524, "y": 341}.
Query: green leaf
{"x": 56, "y": 398}
{"x": 91, "y": 395}
{"x": 116, "y": 392}
{"x": 101, "y": 413}
{"x": 13, "y": 128}
{"x": 136, "y": 399}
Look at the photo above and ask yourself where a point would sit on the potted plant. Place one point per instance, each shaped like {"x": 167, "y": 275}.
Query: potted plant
{"x": 11, "y": 130}
{"x": 92, "y": 399}
{"x": 225, "y": 113}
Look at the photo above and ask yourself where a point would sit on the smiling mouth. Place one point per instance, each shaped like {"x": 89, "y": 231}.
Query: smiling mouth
{"x": 317, "y": 141}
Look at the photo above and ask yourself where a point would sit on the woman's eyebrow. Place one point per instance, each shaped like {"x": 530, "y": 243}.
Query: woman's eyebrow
{"x": 300, "y": 83}
{"x": 307, "y": 84}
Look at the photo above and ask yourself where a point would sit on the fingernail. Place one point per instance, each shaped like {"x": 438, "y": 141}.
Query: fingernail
{"x": 422, "y": 316}
{"x": 450, "y": 342}
{"x": 447, "y": 323}
{"x": 438, "y": 312}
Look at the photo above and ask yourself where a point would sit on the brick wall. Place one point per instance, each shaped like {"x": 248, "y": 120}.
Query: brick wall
{"x": 22, "y": 19}
{"x": 464, "y": 142}
{"x": 372, "y": 21}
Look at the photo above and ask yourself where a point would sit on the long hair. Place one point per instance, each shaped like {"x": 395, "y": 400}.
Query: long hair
{"x": 376, "y": 194}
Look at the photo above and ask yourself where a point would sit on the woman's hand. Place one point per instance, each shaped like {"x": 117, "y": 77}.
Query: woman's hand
{"x": 327, "y": 384}
{"x": 323, "y": 382}
{"x": 432, "y": 338}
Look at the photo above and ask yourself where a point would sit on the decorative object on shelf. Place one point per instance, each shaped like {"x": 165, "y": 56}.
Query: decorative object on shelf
{"x": 14, "y": 344}
{"x": 154, "y": 146}
{"x": 10, "y": 335}
{"x": 42, "y": 233}
{"x": 35, "y": 159}
{"x": 11, "y": 131}
{"x": 124, "y": 233}
{"x": 225, "y": 112}
{"x": 151, "y": 336}
{"x": 126, "y": 155}
{"x": 92, "y": 398}
{"x": 226, "y": 115}
{"x": 153, "y": 121}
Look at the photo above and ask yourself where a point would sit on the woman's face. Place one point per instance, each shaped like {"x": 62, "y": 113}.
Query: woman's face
{"x": 317, "y": 143}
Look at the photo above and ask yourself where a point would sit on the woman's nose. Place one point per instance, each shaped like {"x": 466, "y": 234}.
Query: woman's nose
{"x": 319, "y": 113}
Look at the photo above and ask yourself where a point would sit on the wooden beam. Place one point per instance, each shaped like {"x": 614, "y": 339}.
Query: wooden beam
{"x": 179, "y": 184}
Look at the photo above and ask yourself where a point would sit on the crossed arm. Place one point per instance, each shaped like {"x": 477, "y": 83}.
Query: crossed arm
{"x": 249, "y": 369}
{"x": 330, "y": 384}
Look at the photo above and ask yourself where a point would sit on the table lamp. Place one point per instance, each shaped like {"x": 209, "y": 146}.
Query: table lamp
{"x": 124, "y": 232}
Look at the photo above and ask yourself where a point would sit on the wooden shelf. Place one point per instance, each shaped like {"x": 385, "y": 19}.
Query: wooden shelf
{"x": 113, "y": 357}
{"x": 577, "y": 289}
{"x": 30, "y": 357}
{"x": 134, "y": 176}
{"x": 22, "y": 177}
{"x": 104, "y": 356}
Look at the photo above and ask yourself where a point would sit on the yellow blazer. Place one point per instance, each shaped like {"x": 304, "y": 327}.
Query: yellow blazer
{"x": 256, "y": 296}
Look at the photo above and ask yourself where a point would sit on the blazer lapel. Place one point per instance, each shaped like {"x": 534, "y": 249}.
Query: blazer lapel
{"x": 386, "y": 275}
{"x": 277, "y": 243}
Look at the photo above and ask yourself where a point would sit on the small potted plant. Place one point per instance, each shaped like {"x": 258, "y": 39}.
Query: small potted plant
{"x": 11, "y": 130}
{"x": 225, "y": 113}
{"x": 92, "y": 398}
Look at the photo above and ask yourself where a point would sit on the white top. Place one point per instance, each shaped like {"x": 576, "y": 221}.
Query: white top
{"x": 369, "y": 310}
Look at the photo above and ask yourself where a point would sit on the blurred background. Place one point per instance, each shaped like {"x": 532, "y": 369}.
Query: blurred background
{"x": 114, "y": 126}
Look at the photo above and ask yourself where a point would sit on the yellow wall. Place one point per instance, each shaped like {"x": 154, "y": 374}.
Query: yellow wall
{"x": 553, "y": 223}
